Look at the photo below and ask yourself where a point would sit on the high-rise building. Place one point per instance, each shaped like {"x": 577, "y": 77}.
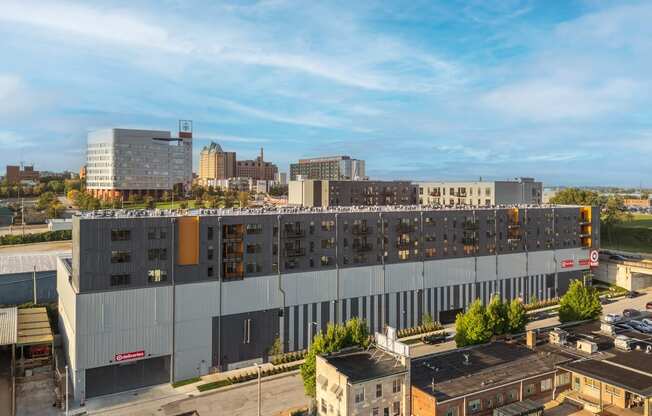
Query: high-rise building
{"x": 121, "y": 162}
{"x": 17, "y": 174}
{"x": 175, "y": 295}
{"x": 328, "y": 168}
{"x": 328, "y": 193}
{"x": 481, "y": 193}
{"x": 256, "y": 169}
{"x": 216, "y": 164}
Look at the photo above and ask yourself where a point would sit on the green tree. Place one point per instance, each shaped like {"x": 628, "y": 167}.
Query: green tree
{"x": 497, "y": 316}
{"x": 472, "y": 327}
{"x": 613, "y": 214}
{"x": 243, "y": 199}
{"x": 579, "y": 303}
{"x": 427, "y": 320}
{"x": 149, "y": 202}
{"x": 576, "y": 196}
{"x": 54, "y": 210}
{"x": 516, "y": 317}
{"x": 45, "y": 200}
{"x": 183, "y": 204}
{"x": 352, "y": 333}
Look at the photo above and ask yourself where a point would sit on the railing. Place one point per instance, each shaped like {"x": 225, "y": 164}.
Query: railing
{"x": 233, "y": 235}
{"x": 404, "y": 228}
{"x": 362, "y": 247}
{"x": 471, "y": 225}
{"x": 295, "y": 252}
{"x": 233, "y": 275}
{"x": 294, "y": 233}
{"x": 360, "y": 230}
{"x": 403, "y": 244}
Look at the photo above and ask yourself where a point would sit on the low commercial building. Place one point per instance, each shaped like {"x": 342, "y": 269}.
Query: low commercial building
{"x": 637, "y": 202}
{"x": 18, "y": 174}
{"x": 256, "y": 169}
{"x": 479, "y": 193}
{"x": 328, "y": 193}
{"x": 181, "y": 295}
{"x": 20, "y": 273}
{"x": 362, "y": 382}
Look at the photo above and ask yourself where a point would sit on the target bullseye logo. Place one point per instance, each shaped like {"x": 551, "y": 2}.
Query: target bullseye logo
{"x": 594, "y": 257}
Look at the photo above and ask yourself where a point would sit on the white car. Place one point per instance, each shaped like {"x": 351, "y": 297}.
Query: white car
{"x": 612, "y": 318}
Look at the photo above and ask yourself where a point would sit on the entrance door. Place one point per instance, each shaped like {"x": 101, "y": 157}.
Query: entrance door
{"x": 127, "y": 376}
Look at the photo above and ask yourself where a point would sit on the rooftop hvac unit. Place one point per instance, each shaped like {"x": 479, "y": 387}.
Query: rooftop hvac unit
{"x": 623, "y": 343}
{"x": 558, "y": 336}
{"x": 587, "y": 347}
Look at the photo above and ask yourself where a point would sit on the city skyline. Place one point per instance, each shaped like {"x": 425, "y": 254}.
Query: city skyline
{"x": 429, "y": 91}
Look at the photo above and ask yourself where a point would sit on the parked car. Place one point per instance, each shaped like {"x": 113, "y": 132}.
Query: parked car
{"x": 612, "y": 318}
{"x": 640, "y": 326}
{"x": 617, "y": 257}
{"x": 648, "y": 306}
{"x": 633, "y": 294}
{"x": 631, "y": 313}
{"x": 647, "y": 321}
{"x": 434, "y": 338}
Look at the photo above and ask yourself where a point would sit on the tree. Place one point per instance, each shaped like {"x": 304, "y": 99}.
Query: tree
{"x": 579, "y": 303}
{"x": 149, "y": 202}
{"x": 613, "y": 213}
{"x": 427, "y": 320}
{"x": 72, "y": 195}
{"x": 243, "y": 199}
{"x": 516, "y": 317}
{"x": 337, "y": 336}
{"x": 183, "y": 204}
{"x": 54, "y": 210}
{"x": 45, "y": 200}
{"x": 134, "y": 198}
{"x": 472, "y": 327}
{"x": 576, "y": 196}
{"x": 497, "y": 316}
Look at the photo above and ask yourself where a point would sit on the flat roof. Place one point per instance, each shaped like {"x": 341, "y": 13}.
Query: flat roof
{"x": 363, "y": 365}
{"x": 34, "y": 327}
{"x": 8, "y": 326}
{"x": 487, "y": 365}
{"x": 238, "y": 212}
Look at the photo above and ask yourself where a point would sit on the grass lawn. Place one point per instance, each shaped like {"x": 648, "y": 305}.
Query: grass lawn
{"x": 640, "y": 220}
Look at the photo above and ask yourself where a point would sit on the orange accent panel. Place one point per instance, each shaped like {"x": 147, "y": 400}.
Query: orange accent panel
{"x": 188, "y": 241}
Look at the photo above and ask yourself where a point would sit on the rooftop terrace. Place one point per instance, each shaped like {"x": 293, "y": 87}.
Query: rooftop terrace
{"x": 122, "y": 213}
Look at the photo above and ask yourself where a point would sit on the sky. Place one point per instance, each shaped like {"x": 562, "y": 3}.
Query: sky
{"x": 457, "y": 90}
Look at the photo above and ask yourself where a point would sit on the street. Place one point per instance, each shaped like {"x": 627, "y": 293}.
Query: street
{"x": 278, "y": 394}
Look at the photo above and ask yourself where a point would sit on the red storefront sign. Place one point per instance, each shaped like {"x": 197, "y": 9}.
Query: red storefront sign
{"x": 585, "y": 262}
{"x": 130, "y": 355}
{"x": 565, "y": 264}
{"x": 594, "y": 258}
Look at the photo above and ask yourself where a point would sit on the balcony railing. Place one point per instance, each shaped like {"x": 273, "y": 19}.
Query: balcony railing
{"x": 294, "y": 233}
{"x": 403, "y": 244}
{"x": 471, "y": 225}
{"x": 360, "y": 248}
{"x": 361, "y": 230}
{"x": 295, "y": 252}
{"x": 233, "y": 275}
{"x": 404, "y": 228}
{"x": 233, "y": 236}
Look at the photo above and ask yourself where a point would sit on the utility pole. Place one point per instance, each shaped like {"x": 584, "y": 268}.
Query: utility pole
{"x": 66, "y": 390}
{"x": 259, "y": 388}
{"x": 34, "y": 283}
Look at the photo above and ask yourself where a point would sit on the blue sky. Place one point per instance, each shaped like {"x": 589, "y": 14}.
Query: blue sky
{"x": 559, "y": 90}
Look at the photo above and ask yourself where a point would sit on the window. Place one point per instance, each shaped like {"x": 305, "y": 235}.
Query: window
{"x": 253, "y": 248}
{"x": 396, "y": 408}
{"x": 375, "y": 411}
{"x": 209, "y": 253}
{"x": 612, "y": 390}
{"x": 562, "y": 378}
{"x": 120, "y": 235}
{"x": 163, "y": 234}
{"x": 329, "y": 243}
{"x": 359, "y": 395}
{"x": 157, "y": 254}
{"x": 324, "y": 408}
{"x": 120, "y": 279}
{"x": 209, "y": 271}
{"x": 379, "y": 390}
{"x": 327, "y": 225}
{"x": 512, "y": 395}
{"x": 475, "y": 405}
{"x": 209, "y": 233}
{"x": 396, "y": 386}
{"x": 157, "y": 275}
{"x": 151, "y": 233}
{"x": 254, "y": 228}
{"x": 246, "y": 329}
{"x": 452, "y": 411}
{"x": 254, "y": 268}
{"x": 499, "y": 399}
{"x": 326, "y": 261}
{"x": 530, "y": 389}
{"x": 546, "y": 384}
{"x": 118, "y": 256}
{"x": 404, "y": 254}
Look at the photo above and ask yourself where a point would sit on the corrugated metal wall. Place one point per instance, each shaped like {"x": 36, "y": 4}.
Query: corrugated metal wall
{"x": 17, "y": 288}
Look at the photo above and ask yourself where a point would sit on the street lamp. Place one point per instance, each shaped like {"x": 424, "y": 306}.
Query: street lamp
{"x": 259, "y": 387}
{"x": 310, "y": 332}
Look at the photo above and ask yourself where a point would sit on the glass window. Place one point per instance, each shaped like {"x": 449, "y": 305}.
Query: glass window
{"x": 120, "y": 235}
{"x": 254, "y": 228}
{"x": 209, "y": 233}
{"x": 120, "y": 256}
{"x": 563, "y": 378}
{"x": 379, "y": 390}
{"x": 359, "y": 395}
{"x": 157, "y": 275}
{"x": 396, "y": 407}
{"x": 452, "y": 411}
{"x": 546, "y": 384}
{"x": 396, "y": 386}
{"x": 151, "y": 233}
{"x": 209, "y": 272}
{"x": 120, "y": 279}
{"x": 324, "y": 408}
{"x": 475, "y": 405}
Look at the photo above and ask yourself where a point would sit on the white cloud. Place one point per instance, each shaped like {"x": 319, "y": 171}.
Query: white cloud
{"x": 15, "y": 97}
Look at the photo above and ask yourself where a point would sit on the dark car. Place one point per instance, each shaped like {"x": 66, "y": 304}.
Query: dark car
{"x": 648, "y": 306}
{"x": 434, "y": 338}
{"x": 633, "y": 294}
{"x": 631, "y": 313}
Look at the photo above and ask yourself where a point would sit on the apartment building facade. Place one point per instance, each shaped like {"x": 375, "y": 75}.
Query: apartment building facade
{"x": 517, "y": 191}
{"x": 328, "y": 168}
{"x": 121, "y": 162}
{"x": 215, "y": 164}
{"x": 328, "y": 193}
{"x": 214, "y": 289}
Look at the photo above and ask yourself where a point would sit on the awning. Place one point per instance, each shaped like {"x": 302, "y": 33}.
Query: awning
{"x": 8, "y": 326}
{"x": 33, "y": 327}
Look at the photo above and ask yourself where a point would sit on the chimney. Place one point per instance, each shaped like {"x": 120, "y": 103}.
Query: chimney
{"x": 530, "y": 339}
{"x": 261, "y": 154}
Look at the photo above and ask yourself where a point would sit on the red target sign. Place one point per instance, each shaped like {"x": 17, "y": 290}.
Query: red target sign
{"x": 595, "y": 258}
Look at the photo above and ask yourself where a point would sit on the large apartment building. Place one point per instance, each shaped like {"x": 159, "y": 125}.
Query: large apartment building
{"x": 121, "y": 162}
{"x": 176, "y": 295}
{"x": 328, "y": 193}
{"x": 328, "y": 168}
{"x": 479, "y": 193}
{"x": 215, "y": 164}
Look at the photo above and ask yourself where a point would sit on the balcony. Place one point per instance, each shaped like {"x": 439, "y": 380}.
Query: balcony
{"x": 237, "y": 275}
{"x": 232, "y": 257}
{"x": 294, "y": 233}
{"x": 469, "y": 241}
{"x": 360, "y": 230}
{"x": 361, "y": 248}
{"x": 471, "y": 225}
{"x": 233, "y": 236}
{"x": 404, "y": 228}
{"x": 403, "y": 245}
{"x": 295, "y": 252}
